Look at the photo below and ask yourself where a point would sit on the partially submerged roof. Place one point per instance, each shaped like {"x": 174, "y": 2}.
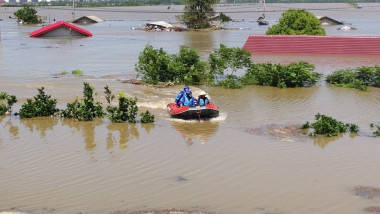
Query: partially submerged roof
{"x": 161, "y": 23}
{"x": 61, "y": 25}
{"x": 329, "y": 21}
{"x": 88, "y": 19}
{"x": 307, "y": 44}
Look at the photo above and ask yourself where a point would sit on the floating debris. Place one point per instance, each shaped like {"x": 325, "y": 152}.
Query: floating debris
{"x": 372, "y": 209}
{"x": 170, "y": 211}
{"x": 347, "y": 28}
{"x": 279, "y": 132}
{"x": 368, "y": 192}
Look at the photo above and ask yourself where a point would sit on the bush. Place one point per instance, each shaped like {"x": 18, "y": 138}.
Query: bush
{"x": 85, "y": 110}
{"x": 147, "y": 117}
{"x": 297, "y": 22}
{"x": 77, "y": 72}
{"x": 27, "y": 15}
{"x": 156, "y": 65}
{"x": 293, "y": 75}
{"x": 42, "y": 105}
{"x": 377, "y": 132}
{"x": 231, "y": 81}
{"x": 125, "y": 112}
{"x": 231, "y": 59}
{"x": 358, "y": 78}
{"x": 329, "y": 126}
{"x": 11, "y": 99}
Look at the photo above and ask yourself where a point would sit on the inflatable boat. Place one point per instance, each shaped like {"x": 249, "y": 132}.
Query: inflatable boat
{"x": 197, "y": 112}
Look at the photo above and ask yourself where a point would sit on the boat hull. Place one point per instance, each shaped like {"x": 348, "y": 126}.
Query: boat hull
{"x": 197, "y": 112}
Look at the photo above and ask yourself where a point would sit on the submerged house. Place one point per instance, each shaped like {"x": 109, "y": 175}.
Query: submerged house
{"x": 329, "y": 21}
{"x": 308, "y": 44}
{"x": 158, "y": 26}
{"x": 87, "y": 20}
{"x": 61, "y": 29}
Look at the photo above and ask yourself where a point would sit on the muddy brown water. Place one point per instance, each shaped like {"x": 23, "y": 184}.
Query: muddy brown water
{"x": 241, "y": 162}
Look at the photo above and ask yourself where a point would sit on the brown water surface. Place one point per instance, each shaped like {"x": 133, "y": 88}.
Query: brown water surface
{"x": 250, "y": 159}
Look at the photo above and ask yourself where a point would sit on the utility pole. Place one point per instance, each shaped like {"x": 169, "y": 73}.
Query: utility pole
{"x": 73, "y": 9}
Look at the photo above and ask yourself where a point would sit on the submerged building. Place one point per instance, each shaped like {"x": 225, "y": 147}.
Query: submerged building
{"x": 87, "y": 20}
{"x": 61, "y": 29}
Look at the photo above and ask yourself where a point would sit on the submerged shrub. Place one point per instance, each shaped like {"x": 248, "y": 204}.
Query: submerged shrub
{"x": 77, "y": 72}
{"x": 329, "y": 126}
{"x": 42, "y": 105}
{"x": 228, "y": 59}
{"x": 85, "y": 110}
{"x": 296, "y": 74}
{"x": 147, "y": 117}
{"x": 377, "y": 132}
{"x": 231, "y": 81}
{"x": 10, "y": 99}
{"x": 125, "y": 112}
{"x": 156, "y": 65}
{"x": 358, "y": 78}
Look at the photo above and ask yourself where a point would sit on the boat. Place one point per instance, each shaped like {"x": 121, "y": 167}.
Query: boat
{"x": 197, "y": 112}
{"x": 263, "y": 22}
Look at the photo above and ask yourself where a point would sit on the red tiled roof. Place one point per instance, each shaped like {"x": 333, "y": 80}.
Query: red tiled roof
{"x": 58, "y": 25}
{"x": 305, "y": 44}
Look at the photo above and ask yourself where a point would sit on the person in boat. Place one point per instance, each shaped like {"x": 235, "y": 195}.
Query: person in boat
{"x": 181, "y": 93}
{"x": 187, "y": 100}
{"x": 202, "y": 99}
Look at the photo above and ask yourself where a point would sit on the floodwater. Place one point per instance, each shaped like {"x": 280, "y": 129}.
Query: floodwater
{"x": 250, "y": 159}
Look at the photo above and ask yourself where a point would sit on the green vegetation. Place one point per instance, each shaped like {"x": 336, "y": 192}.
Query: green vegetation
{"x": 226, "y": 58}
{"x": 27, "y": 15}
{"x": 377, "y": 132}
{"x": 229, "y": 60}
{"x": 77, "y": 72}
{"x": 358, "y": 78}
{"x": 198, "y": 13}
{"x": 293, "y": 75}
{"x": 85, "y": 110}
{"x": 231, "y": 81}
{"x": 127, "y": 109}
{"x": 329, "y": 126}
{"x": 10, "y": 99}
{"x": 125, "y": 112}
{"x": 42, "y": 105}
{"x": 147, "y": 117}
{"x": 158, "y": 66}
{"x": 297, "y": 22}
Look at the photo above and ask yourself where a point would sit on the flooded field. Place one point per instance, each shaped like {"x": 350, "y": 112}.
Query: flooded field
{"x": 250, "y": 159}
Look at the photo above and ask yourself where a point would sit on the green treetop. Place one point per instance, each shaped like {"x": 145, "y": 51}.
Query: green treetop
{"x": 297, "y": 22}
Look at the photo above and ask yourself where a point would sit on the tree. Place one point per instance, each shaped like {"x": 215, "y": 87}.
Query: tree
{"x": 198, "y": 13}
{"x": 297, "y": 22}
{"x": 156, "y": 65}
{"x": 27, "y": 15}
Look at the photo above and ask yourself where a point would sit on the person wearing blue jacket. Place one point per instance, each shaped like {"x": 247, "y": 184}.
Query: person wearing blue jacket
{"x": 187, "y": 100}
{"x": 202, "y": 99}
{"x": 181, "y": 93}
